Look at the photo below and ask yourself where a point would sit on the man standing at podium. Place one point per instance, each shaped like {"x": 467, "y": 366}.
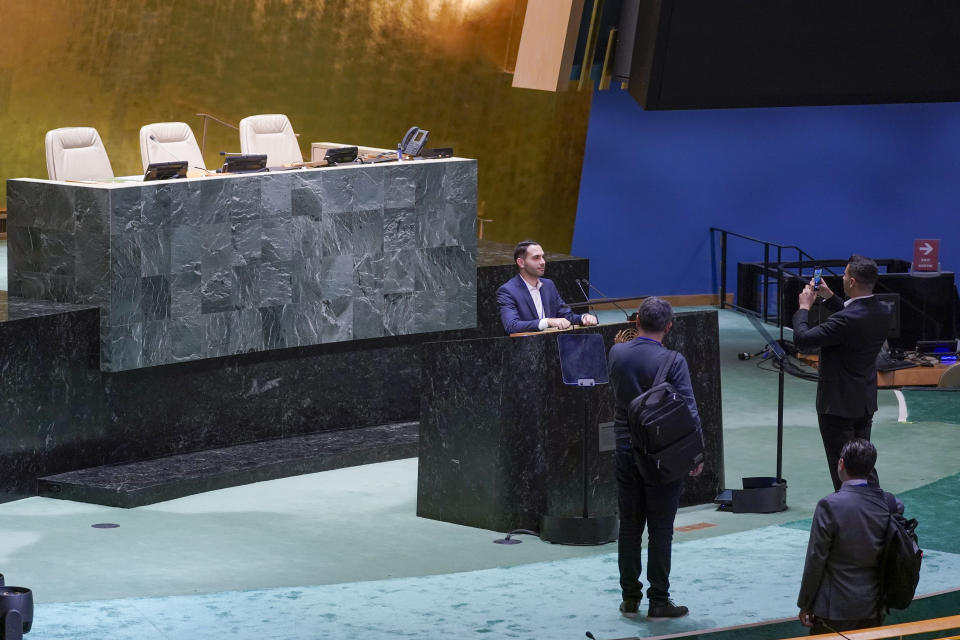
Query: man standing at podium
{"x": 530, "y": 302}
{"x": 642, "y": 500}
{"x": 849, "y": 342}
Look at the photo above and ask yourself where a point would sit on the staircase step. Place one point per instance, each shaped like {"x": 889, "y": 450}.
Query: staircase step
{"x": 136, "y": 484}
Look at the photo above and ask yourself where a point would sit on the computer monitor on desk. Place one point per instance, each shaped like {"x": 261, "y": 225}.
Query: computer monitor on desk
{"x": 165, "y": 170}
{"x": 243, "y": 163}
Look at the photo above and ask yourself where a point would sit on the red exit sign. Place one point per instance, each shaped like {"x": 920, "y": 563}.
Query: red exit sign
{"x": 926, "y": 255}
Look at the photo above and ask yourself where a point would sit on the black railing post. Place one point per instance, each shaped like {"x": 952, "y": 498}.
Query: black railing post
{"x": 765, "y": 279}
{"x": 780, "y": 285}
{"x": 723, "y": 269}
{"x": 781, "y": 376}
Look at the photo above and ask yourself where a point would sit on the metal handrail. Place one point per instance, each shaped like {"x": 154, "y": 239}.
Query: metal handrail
{"x": 803, "y": 258}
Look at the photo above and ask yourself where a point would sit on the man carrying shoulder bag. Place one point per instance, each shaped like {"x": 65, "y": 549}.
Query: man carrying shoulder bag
{"x": 650, "y": 474}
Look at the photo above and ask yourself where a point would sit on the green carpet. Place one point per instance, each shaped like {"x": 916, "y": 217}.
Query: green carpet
{"x": 341, "y": 554}
{"x": 936, "y": 507}
{"x": 932, "y": 405}
{"x": 726, "y": 580}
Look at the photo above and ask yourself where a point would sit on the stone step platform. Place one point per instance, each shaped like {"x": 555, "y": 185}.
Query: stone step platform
{"x": 136, "y": 484}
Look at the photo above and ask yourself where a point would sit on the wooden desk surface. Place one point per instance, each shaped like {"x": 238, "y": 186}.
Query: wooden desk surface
{"x": 913, "y": 377}
{"x": 918, "y": 376}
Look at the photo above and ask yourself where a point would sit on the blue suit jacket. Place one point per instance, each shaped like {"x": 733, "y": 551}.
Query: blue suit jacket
{"x": 518, "y": 312}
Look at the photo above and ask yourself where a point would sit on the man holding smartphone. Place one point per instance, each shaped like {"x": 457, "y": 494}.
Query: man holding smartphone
{"x": 849, "y": 342}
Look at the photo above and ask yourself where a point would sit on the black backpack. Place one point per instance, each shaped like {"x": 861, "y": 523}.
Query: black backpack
{"x": 666, "y": 441}
{"x": 900, "y": 560}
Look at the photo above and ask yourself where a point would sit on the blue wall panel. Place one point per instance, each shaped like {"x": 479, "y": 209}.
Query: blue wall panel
{"x": 832, "y": 180}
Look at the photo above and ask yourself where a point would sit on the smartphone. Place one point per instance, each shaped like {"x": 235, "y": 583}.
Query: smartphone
{"x": 817, "y": 273}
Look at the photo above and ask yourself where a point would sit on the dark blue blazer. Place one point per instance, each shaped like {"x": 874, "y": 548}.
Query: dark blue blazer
{"x": 518, "y": 312}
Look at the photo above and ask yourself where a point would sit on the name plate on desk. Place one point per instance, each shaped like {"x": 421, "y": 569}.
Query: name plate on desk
{"x": 199, "y": 268}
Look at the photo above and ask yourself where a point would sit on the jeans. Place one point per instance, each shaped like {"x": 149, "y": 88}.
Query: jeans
{"x": 644, "y": 504}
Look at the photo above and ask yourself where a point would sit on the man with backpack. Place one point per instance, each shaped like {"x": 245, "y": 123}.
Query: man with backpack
{"x": 643, "y": 497}
{"x": 841, "y": 587}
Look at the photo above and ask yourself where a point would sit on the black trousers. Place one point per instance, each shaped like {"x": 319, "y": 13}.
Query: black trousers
{"x": 837, "y": 431}
{"x": 643, "y": 505}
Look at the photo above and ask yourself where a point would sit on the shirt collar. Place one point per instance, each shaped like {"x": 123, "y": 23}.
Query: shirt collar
{"x": 648, "y": 340}
{"x": 847, "y": 302}
{"x": 532, "y": 288}
{"x": 856, "y": 482}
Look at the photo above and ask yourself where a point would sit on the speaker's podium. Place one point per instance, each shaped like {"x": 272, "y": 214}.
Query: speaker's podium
{"x": 506, "y": 445}
{"x": 583, "y": 364}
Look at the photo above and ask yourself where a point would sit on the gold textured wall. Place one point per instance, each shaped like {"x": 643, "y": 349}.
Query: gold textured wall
{"x": 357, "y": 71}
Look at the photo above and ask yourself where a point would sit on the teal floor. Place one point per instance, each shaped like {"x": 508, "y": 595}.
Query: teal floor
{"x": 342, "y": 554}
{"x": 933, "y": 405}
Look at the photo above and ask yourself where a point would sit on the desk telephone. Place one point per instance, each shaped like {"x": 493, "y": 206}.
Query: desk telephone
{"x": 413, "y": 141}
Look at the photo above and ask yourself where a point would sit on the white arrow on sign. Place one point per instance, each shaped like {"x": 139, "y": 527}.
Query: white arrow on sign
{"x": 926, "y": 248}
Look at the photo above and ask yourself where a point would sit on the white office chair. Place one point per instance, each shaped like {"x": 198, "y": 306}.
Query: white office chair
{"x": 76, "y": 153}
{"x": 169, "y": 142}
{"x": 270, "y": 134}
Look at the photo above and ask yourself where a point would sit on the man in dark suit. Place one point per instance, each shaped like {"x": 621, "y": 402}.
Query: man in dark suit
{"x": 849, "y": 342}
{"x": 840, "y": 589}
{"x": 530, "y": 302}
{"x": 642, "y": 500}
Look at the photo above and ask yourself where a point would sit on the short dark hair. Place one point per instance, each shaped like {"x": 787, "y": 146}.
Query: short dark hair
{"x": 864, "y": 270}
{"x": 859, "y": 457}
{"x": 520, "y": 251}
{"x": 654, "y": 314}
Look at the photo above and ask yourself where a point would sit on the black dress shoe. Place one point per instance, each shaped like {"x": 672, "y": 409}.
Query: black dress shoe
{"x": 666, "y": 610}
{"x": 629, "y": 608}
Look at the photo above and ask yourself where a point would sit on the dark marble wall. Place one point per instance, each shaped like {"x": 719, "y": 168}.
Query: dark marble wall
{"x": 50, "y": 415}
{"x": 196, "y": 269}
{"x": 59, "y": 412}
{"x": 500, "y": 435}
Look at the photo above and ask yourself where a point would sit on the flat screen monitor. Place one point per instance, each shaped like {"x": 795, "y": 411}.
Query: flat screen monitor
{"x": 340, "y": 155}
{"x": 165, "y": 170}
{"x": 244, "y": 163}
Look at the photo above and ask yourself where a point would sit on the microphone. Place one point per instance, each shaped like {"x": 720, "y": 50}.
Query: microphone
{"x": 747, "y": 356}
{"x": 630, "y": 316}
{"x": 586, "y": 298}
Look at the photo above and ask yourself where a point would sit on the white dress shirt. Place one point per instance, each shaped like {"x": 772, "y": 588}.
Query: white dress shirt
{"x": 846, "y": 303}
{"x": 538, "y": 303}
